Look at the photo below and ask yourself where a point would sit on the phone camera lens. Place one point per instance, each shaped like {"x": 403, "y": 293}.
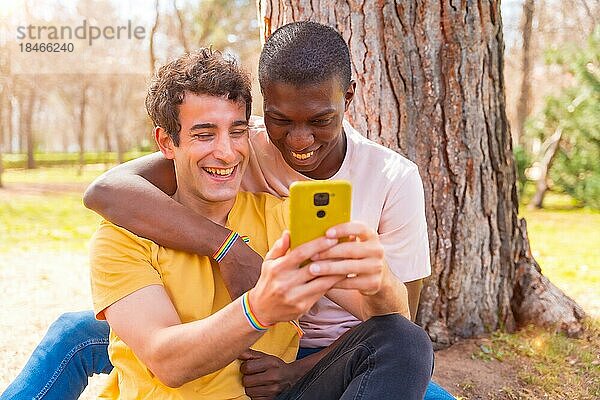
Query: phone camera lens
{"x": 321, "y": 199}
{"x": 320, "y": 213}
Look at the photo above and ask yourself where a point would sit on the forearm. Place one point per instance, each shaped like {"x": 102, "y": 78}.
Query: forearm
{"x": 127, "y": 196}
{"x": 392, "y": 297}
{"x": 181, "y": 353}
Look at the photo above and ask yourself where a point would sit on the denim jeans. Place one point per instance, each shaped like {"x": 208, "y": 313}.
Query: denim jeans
{"x": 75, "y": 348}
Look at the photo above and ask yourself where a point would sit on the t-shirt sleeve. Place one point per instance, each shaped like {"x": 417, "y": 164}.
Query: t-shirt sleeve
{"x": 403, "y": 228}
{"x": 120, "y": 263}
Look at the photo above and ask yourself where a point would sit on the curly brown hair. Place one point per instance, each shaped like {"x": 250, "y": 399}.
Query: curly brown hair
{"x": 204, "y": 71}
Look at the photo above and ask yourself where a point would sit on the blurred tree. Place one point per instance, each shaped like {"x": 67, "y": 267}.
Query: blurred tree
{"x": 5, "y": 117}
{"x": 523, "y": 107}
{"x": 430, "y": 85}
{"x": 182, "y": 27}
{"x": 553, "y": 22}
{"x": 27, "y": 96}
{"x": 572, "y": 119}
{"x": 153, "y": 36}
{"x": 81, "y": 110}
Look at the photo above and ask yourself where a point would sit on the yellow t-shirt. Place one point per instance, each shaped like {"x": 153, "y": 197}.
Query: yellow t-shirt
{"x": 122, "y": 263}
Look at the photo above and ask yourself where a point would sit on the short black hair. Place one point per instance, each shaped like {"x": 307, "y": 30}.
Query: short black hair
{"x": 304, "y": 53}
{"x": 204, "y": 71}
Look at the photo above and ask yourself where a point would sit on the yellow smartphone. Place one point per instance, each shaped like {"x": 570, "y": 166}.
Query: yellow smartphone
{"x": 316, "y": 206}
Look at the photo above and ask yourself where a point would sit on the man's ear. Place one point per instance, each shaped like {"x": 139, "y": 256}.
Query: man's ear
{"x": 349, "y": 95}
{"x": 164, "y": 142}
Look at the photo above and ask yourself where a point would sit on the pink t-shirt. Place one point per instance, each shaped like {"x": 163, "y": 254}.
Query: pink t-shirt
{"x": 387, "y": 194}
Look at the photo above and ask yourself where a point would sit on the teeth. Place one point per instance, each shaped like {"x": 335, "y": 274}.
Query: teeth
{"x": 302, "y": 156}
{"x": 220, "y": 171}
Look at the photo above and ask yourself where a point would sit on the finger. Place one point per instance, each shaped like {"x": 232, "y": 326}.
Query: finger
{"x": 316, "y": 288}
{"x": 356, "y": 228}
{"x": 262, "y": 392}
{"x": 364, "y": 284}
{"x": 250, "y": 367}
{"x": 346, "y": 250}
{"x": 305, "y": 251}
{"x": 256, "y": 365}
{"x": 364, "y": 266}
{"x": 280, "y": 247}
{"x": 250, "y": 354}
{"x": 263, "y": 378}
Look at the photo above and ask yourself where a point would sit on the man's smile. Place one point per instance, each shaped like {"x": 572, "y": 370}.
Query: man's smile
{"x": 302, "y": 156}
{"x": 220, "y": 172}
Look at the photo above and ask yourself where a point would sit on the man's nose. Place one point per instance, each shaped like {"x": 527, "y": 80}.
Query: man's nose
{"x": 300, "y": 138}
{"x": 224, "y": 149}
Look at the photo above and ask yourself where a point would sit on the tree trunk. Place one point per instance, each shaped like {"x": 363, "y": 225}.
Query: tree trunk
{"x": 3, "y": 118}
{"x": 81, "y": 130}
{"x": 120, "y": 149}
{"x": 430, "y": 85}
{"x": 152, "y": 33}
{"x": 26, "y": 111}
{"x": 9, "y": 124}
{"x": 523, "y": 107}
{"x": 541, "y": 186}
{"x": 182, "y": 28}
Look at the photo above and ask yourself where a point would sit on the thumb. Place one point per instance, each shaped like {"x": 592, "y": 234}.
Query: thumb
{"x": 250, "y": 355}
{"x": 280, "y": 247}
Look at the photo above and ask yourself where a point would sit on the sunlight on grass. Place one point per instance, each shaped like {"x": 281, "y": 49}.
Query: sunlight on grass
{"x": 558, "y": 367}
{"x": 59, "y": 222}
{"x": 565, "y": 241}
{"x": 53, "y": 175}
{"x": 45, "y": 221}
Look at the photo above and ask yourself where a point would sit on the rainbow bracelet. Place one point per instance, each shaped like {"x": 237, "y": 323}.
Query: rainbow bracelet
{"x": 250, "y": 316}
{"x": 227, "y": 245}
{"x": 256, "y": 324}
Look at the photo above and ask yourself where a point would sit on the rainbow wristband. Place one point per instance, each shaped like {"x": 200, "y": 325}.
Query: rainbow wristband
{"x": 227, "y": 245}
{"x": 255, "y": 323}
{"x": 250, "y": 316}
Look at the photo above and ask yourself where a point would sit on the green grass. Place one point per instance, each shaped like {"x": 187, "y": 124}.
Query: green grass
{"x": 550, "y": 365}
{"x": 45, "y": 221}
{"x": 19, "y": 160}
{"x": 58, "y": 223}
{"x": 53, "y": 175}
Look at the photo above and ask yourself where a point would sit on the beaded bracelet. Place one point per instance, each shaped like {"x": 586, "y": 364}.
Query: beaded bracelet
{"x": 227, "y": 245}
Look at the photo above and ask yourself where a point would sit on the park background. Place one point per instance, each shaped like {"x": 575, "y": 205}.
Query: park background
{"x": 63, "y": 121}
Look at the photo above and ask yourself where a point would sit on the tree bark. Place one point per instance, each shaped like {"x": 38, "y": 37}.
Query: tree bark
{"x": 430, "y": 86}
{"x": 523, "y": 107}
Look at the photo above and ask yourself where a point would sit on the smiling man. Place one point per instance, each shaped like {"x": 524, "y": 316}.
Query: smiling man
{"x": 175, "y": 333}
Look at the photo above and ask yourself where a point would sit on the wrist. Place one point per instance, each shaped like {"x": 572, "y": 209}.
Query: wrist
{"x": 257, "y": 309}
{"x": 227, "y": 244}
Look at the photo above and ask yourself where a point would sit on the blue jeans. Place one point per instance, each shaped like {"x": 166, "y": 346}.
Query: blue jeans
{"x": 74, "y": 348}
